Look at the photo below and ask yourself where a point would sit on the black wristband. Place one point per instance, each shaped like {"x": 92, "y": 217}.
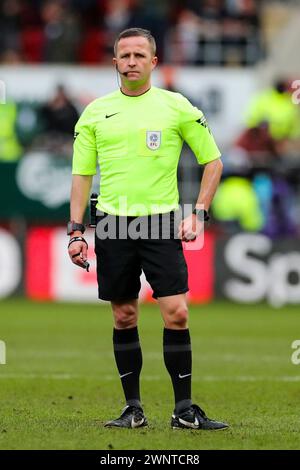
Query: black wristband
{"x": 78, "y": 239}
{"x": 74, "y": 226}
{"x": 201, "y": 214}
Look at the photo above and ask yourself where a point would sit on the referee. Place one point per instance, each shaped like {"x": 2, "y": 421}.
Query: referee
{"x": 136, "y": 134}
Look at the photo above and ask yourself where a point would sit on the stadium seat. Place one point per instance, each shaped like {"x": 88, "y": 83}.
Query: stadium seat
{"x": 33, "y": 44}
{"x": 92, "y": 48}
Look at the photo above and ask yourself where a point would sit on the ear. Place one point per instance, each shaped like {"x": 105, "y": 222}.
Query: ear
{"x": 114, "y": 61}
{"x": 154, "y": 61}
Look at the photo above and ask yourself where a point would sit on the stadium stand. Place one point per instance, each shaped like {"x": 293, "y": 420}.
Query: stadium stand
{"x": 220, "y": 33}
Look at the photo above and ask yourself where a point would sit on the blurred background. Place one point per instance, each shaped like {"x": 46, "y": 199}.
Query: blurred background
{"x": 237, "y": 60}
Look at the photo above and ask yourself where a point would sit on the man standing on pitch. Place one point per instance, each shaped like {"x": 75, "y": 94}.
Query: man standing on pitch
{"x": 136, "y": 133}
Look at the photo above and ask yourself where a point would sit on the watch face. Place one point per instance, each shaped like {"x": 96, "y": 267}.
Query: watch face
{"x": 202, "y": 214}
{"x": 73, "y": 226}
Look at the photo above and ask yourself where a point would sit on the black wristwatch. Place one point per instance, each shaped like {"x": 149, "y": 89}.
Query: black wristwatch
{"x": 201, "y": 214}
{"x": 74, "y": 227}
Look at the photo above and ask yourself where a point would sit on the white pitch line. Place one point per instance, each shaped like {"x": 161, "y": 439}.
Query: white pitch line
{"x": 147, "y": 355}
{"x": 205, "y": 378}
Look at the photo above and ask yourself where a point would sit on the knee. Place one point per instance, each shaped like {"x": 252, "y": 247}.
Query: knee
{"x": 177, "y": 318}
{"x": 125, "y": 316}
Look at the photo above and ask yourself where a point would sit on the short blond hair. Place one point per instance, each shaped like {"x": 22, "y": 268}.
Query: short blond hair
{"x": 131, "y": 32}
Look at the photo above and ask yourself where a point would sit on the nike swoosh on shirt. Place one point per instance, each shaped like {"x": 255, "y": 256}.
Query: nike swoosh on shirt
{"x": 110, "y": 115}
{"x": 124, "y": 375}
{"x": 183, "y": 376}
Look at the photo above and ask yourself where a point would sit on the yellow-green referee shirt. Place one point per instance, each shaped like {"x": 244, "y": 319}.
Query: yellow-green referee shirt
{"x": 137, "y": 141}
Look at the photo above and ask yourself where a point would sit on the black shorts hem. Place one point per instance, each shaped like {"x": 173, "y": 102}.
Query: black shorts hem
{"x": 110, "y": 298}
{"x": 167, "y": 294}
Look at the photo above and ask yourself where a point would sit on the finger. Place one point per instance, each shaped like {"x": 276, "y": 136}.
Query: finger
{"x": 79, "y": 262}
{"x": 77, "y": 259}
{"x": 75, "y": 254}
{"x": 76, "y": 247}
{"x": 185, "y": 230}
{"x": 190, "y": 236}
{"x": 179, "y": 232}
{"x": 84, "y": 252}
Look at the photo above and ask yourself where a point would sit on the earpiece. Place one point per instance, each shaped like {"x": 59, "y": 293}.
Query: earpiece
{"x": 121, "y": 73}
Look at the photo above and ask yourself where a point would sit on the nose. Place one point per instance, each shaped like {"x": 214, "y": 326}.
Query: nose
{"x": 132, "y": 61}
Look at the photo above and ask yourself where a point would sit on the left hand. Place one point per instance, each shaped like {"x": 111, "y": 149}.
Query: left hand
{"x": 189, "y": 228}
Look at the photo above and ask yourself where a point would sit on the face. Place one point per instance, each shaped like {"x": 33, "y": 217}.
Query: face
{"x": 135, "y": 59}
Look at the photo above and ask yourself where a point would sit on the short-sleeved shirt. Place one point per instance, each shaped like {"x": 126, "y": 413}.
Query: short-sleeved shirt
{"x": 137, "y": 142}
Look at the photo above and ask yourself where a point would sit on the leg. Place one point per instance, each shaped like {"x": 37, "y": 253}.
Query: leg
{"x": 128, "y": 356}
{"x": 127, "y": 348}
{"x": 178, "y": 360}
{"x": 174, "y": 311}
{"x": 118, "y": 274}
{"x": 165, "y": 269}
{"x": 177, "y": 348}
{"x": 125, "y": 314}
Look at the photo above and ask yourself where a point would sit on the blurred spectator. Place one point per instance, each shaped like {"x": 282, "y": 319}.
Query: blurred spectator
{"x": 61, "y": 32}
{"x": 263, "y": 187}
{"x": 184, "y": 38}
{"x": 29, "y": 122}
{"x": 60, "y": 114}
{"x": 228, "y": 31}
{"x": 258, "y": 146}
{"x": 10, "y": 148}
{"x": 10, "y": 26}
{"x": 279, "y": 218}
{"x": 236, "y": 204}
{"x": 117, "y": 16}
{"x": 122, "y": 14}
{"x": 11, "y": 57}
{"x": 187, "y": 32}
{"x": 275, "y": 106}
{"x": 153, "y": 15}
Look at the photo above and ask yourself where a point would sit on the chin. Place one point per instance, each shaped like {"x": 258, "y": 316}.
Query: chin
{"x": 133, "y": 78}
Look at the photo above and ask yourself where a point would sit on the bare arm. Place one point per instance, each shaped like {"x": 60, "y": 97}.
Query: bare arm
{"x": 191, "y": 226}
{"x": 81, "y": 186}
{"x": 209, "y": 183}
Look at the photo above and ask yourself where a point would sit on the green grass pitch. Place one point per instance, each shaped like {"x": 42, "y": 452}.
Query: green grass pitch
{"x": 60, "y": 383}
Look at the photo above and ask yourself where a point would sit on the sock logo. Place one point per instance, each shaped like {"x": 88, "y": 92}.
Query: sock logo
{"x": 124, "y": 375}
{"x": 183, "y": 376}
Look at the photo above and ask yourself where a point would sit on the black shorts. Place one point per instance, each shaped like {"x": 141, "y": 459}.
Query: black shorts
{"x": 120, "y": 261}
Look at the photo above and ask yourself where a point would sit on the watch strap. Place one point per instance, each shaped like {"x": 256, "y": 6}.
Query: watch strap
{"x": 74, "y": 227}
{"x": 201, "y": 214}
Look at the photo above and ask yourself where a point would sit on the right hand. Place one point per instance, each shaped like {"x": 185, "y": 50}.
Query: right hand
{"x": 78, "y": 251}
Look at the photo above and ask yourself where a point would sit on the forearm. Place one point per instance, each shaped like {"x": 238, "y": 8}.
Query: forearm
{"x": 209, "y": 183}
{"x": 81, "y": 186}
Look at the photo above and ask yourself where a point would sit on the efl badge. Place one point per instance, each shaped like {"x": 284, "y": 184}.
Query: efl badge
{"x": 153, "y": 139}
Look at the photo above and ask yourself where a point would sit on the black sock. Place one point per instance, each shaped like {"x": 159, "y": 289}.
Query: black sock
{"x": 129, "y": 361}
{"x": 178, "y": 361}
